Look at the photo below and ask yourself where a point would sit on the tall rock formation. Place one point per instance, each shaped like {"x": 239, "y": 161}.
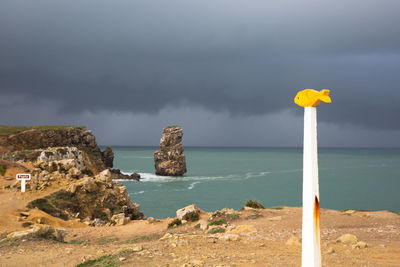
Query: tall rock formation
{"x": 169, "y": 160}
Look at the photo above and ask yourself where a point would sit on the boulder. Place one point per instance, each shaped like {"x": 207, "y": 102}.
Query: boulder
{"x": 189, "y": 213}
{"x": 105, "y": 176}
{"x": 347, "y": 239}
{"x": 108, "y": 157}
{"x": 40, "y": 230}
{"x": 118, "y": 175}
{"x": 120, "y": 219}
{"x": 169, "y": 160}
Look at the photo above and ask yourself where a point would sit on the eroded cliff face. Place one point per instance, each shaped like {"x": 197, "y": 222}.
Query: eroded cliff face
{"x": 69, "y": 162}
{"x": 26, "y": 145}
{"x": 169, "y": 160}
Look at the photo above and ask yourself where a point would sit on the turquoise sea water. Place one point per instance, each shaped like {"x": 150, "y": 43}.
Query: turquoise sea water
{"x": 366, "y": 179}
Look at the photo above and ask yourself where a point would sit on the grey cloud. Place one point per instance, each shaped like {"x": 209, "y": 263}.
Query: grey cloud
{"x": 245, "y": 58}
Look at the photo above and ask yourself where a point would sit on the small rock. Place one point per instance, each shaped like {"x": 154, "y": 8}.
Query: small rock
{"x": 203, "y": 225}
{"x": 231, "y": 237}
{"x": 360, "y": 244}
{"x": 120, "y": 219}
{"x": 166, "y": 236}
{"x": 24, "y": 213}
{"x": 330, "y": 250}
{"x": 277, "y": 218}
{"x": 151, "y": 220}
{"x": 122, "y": 259}
{"x": 293, "y": 241}
{"x": 184, "y": 221}
{"x": 137, "y": 248}
{"x": 348, "y": 239}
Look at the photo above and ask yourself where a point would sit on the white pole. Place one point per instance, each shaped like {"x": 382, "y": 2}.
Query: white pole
{"x": 23, "y": 185}
{"x": 311, "y": 251}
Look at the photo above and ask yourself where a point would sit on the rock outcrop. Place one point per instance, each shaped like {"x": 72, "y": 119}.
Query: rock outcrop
{"x": 118, "y": 175}
{"x": 169, "y": 160}
{"x": 69, "y": 160}
{"x": 108, "y": 157}
{"x": 92, "y": 199}
{"x": 26, "y": 145}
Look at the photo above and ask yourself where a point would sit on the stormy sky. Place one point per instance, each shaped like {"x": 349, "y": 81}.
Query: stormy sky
{"x": 225, "y": 70}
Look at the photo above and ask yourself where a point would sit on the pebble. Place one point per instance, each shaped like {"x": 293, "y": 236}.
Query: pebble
{"x": 137, "y": 248}
{"x": 122, "y": 259}
{"x": 330, "y": 250}
{"x": 277, "y": 218}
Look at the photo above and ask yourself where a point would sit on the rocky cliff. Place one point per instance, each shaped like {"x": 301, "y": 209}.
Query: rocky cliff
{"x": 23, "y": 143}
{"x": 169, "y": 160}
{"x": 68, "y": 161}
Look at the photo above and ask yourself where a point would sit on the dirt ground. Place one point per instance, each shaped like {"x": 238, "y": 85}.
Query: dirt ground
{"x": 252, "y": 238}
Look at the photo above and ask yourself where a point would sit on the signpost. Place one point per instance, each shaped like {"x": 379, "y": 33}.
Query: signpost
{"x": 23, "y": 177}
{"x": 311, "y": 250}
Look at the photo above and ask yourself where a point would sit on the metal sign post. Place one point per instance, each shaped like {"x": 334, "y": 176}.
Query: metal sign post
{"x": 311, "y": 250}
{"x": 23, "y": 177}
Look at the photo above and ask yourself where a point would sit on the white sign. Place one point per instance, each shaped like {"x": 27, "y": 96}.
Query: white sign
{"x": 23, "y": 177}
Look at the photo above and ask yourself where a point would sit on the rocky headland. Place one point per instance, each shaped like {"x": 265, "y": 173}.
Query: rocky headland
{"x": 71, "y": 176}
{"x": 169, "y": 160}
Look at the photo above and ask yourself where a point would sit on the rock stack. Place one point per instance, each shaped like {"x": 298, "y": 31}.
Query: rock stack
{"x": 169, "y": 160}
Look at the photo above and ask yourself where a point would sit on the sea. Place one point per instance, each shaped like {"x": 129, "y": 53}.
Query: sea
{"x": 226, "y": 177}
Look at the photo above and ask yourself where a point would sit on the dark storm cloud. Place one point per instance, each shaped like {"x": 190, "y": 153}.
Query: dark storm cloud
{"x": 241, "y": 57}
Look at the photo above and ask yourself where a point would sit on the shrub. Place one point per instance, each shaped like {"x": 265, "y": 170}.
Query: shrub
{"x": 174, "y": 223}
{"x": 217, "y": 222}
{"x": 193, "y": 217}
{"x": 254, "y": 204}
{"x": 3, "y": 169}
{"x": 216, "y": 230}
{"x": 234, "y": 216}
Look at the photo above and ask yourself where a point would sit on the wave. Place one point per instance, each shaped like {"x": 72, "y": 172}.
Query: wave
{"x": 191, "y": 186}
{"x": 151, "y": 177}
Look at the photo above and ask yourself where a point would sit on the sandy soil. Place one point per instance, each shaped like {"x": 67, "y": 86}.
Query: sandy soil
{"x": 261, "y": 243}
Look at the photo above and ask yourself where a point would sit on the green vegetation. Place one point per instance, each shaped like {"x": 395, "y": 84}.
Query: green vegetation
{"x": 255, "y": 215}
{"x": 6, "y": 130}
{"x": 254, "y": 204}
{"x": 174, "y": 223}
{"x": 217, "y": 222}
{"x": 140, "y": 238}
{"x": 9, "y": 242}
{"x": 77, "y": 242}
{"x": 3, "y": 169}
{"x": 104, "y": 240}
{"x": 234, "y": 216}
{"x": 56, "y": 204}
{"x": 216, "y": 230}
{"x": 276, "y": 207}
{"x": 105, "y": 261}
{"x": 193, "y": 217}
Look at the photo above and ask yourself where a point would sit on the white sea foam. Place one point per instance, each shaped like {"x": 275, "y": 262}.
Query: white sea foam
{"x": 151, "y": 177}
{"x": 191, "y": 186}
